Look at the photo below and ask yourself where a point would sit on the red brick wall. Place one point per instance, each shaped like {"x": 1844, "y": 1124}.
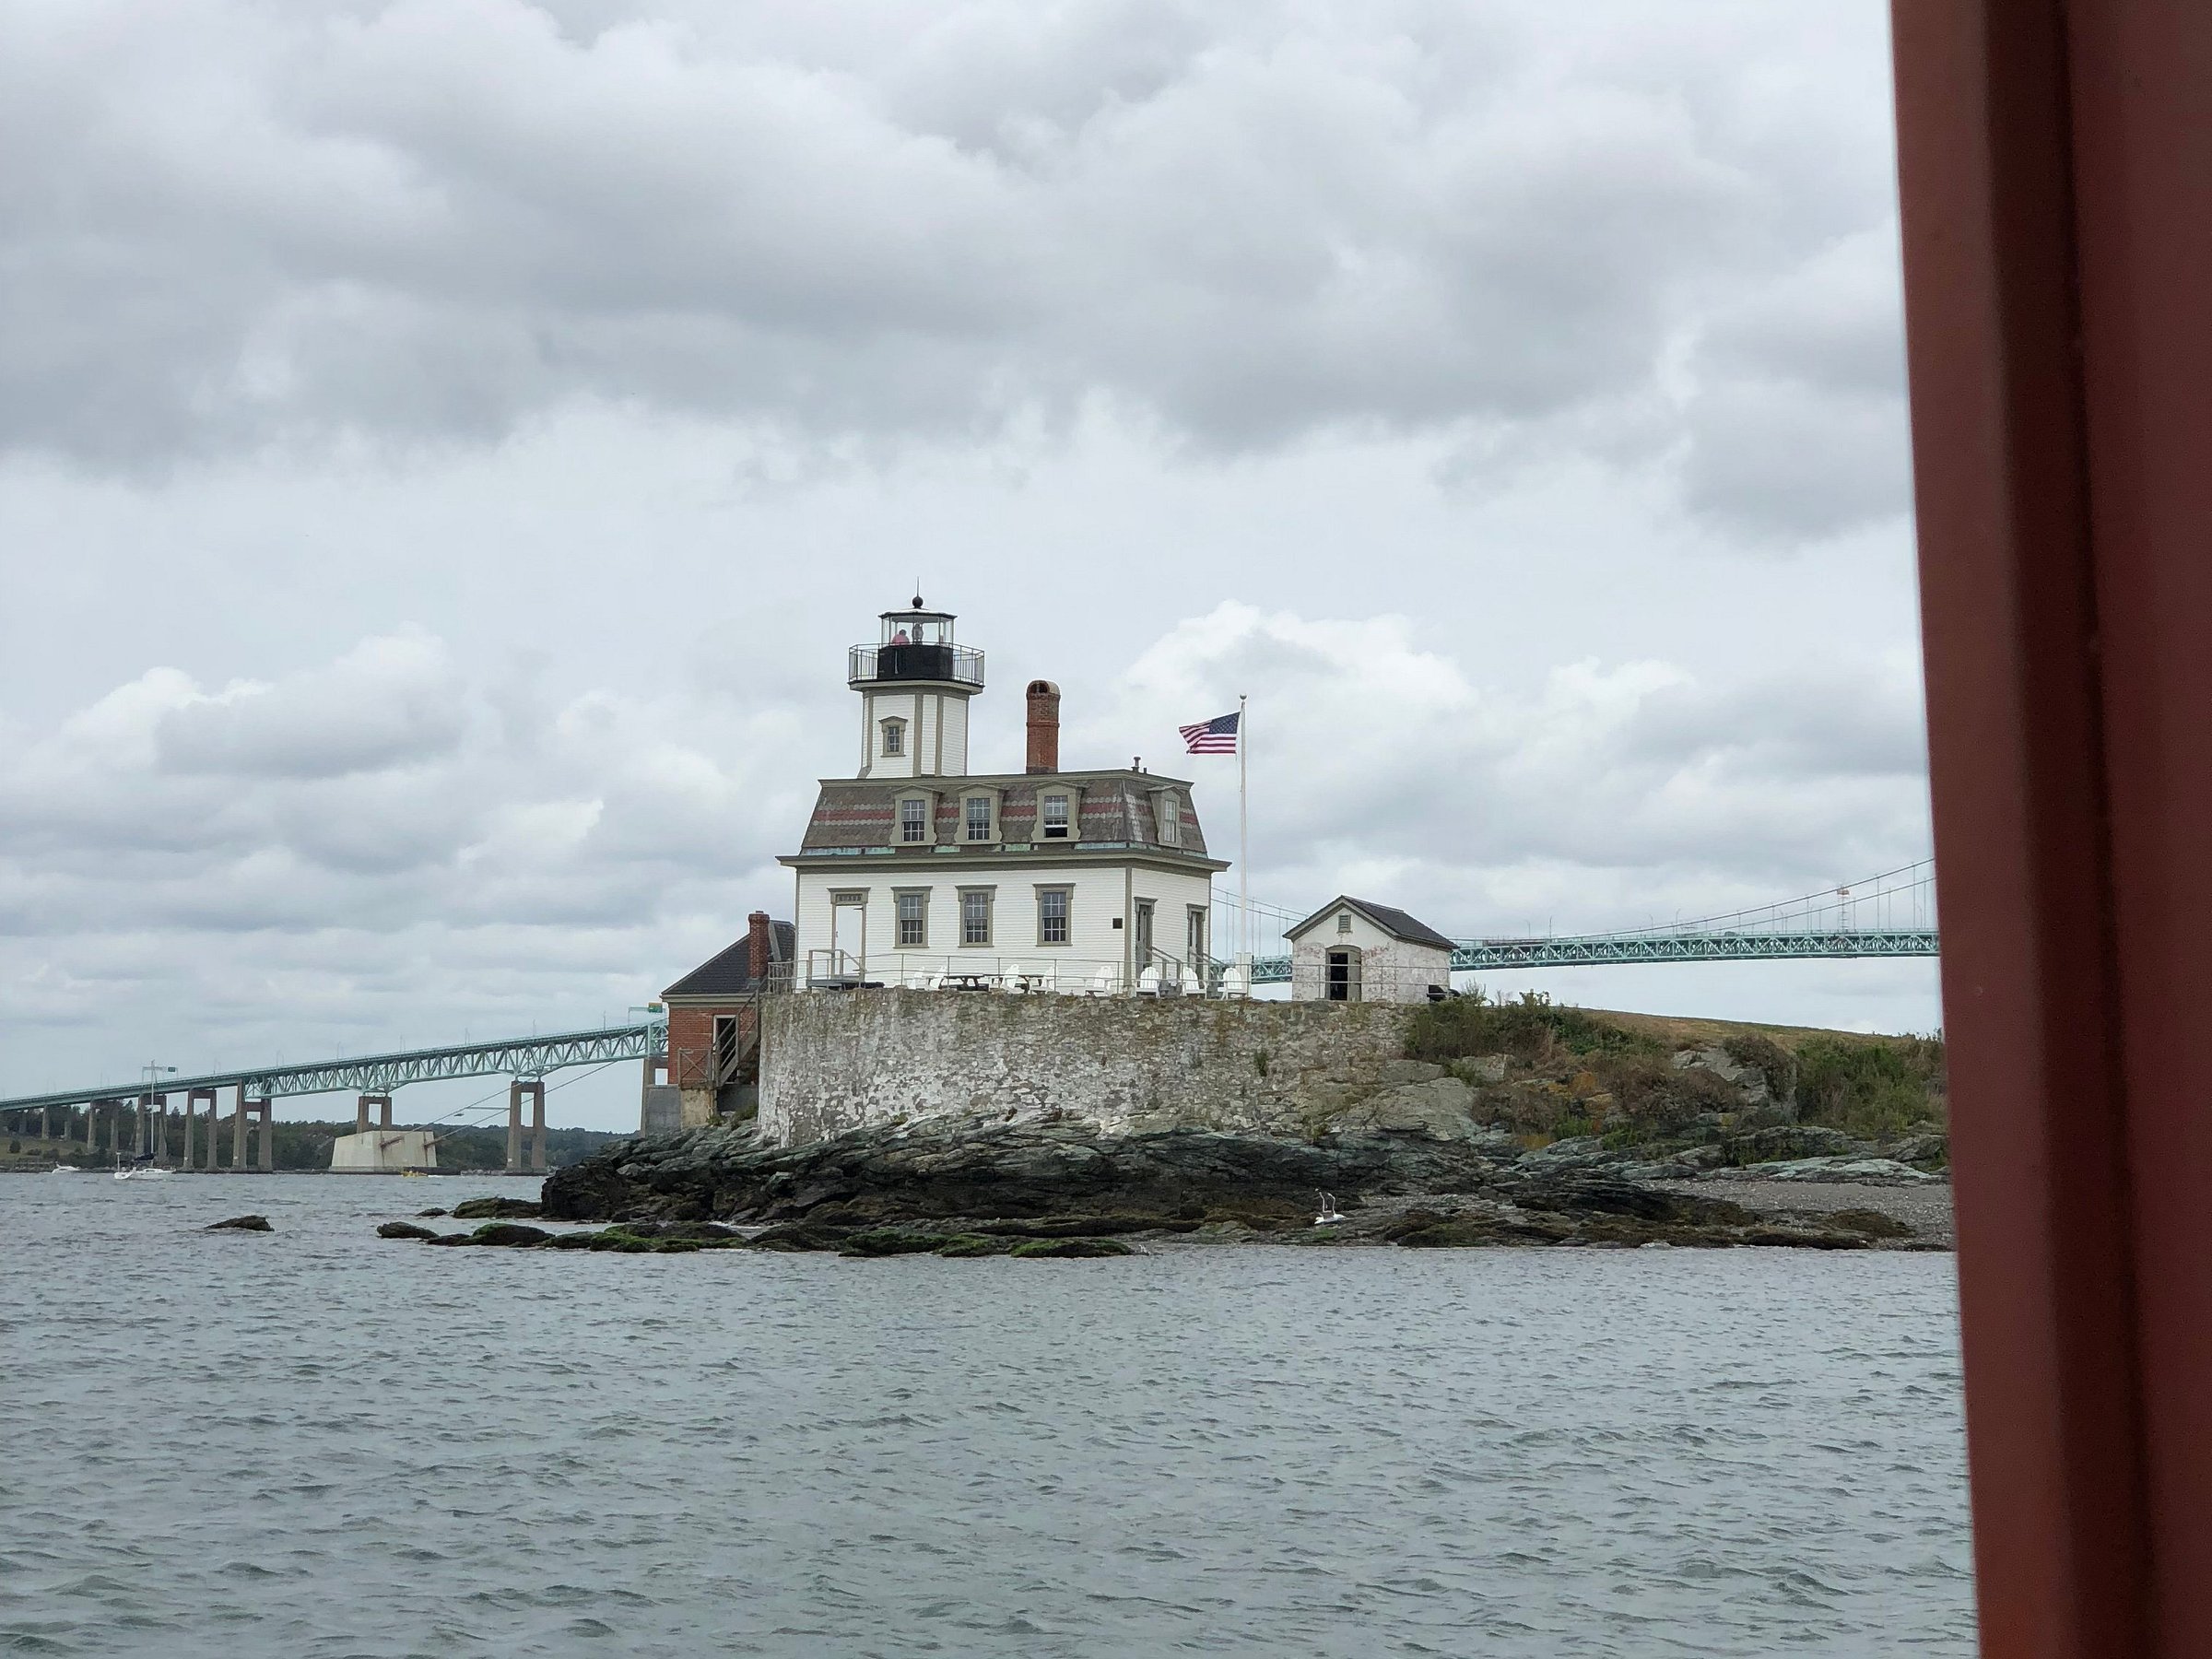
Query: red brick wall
{"x": 691, "y": 1041}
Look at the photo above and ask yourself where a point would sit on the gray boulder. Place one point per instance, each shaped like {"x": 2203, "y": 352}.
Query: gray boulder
{"x": 1748, "y": 1079}
{"x": 503, "y": 1209}
{"x": 1440, "y": 1106}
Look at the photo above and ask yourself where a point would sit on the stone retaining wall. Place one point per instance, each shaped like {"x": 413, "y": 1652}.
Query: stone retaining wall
{"x": 835, "y": 1061}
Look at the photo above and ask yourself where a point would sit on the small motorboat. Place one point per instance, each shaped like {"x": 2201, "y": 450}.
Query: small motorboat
{"x": 145, "y": 1171}
{"x": 1330, "y": 1215}
{"x": 62, "y": 1169}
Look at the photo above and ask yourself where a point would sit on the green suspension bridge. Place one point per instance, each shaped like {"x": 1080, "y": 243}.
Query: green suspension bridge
{"x": 1892, "y": 914}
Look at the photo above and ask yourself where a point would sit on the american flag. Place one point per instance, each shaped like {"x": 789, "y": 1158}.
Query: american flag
{"x": 1216, "y": 737}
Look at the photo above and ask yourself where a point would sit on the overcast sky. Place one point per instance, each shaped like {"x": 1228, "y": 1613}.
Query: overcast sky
{"x": 445, "y": 449}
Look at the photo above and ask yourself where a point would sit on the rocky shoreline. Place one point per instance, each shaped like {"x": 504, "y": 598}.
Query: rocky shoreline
{"x": 961, "y": 1188}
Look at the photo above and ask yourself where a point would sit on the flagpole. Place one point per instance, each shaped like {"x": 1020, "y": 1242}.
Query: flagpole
{"x": 1243, "y": 850}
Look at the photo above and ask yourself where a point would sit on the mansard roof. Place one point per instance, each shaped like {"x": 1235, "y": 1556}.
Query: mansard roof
{"x": 1396, "y": 923}
{"x": 1115, "y": 810}
{"x": 730, "y": 973}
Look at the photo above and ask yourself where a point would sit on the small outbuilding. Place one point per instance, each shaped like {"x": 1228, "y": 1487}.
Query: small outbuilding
{"x": 1356, "y": 950}
{"x": 714, "y": 1029}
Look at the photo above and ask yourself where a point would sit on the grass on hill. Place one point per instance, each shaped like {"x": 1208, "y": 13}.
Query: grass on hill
{"x": 1868, "y": 1086}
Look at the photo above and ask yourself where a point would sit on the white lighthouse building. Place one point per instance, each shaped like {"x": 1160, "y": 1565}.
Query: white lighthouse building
{"x": 916, "y": 872}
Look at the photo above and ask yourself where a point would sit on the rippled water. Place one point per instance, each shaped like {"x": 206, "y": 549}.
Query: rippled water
{"x": 315, "y": 1444}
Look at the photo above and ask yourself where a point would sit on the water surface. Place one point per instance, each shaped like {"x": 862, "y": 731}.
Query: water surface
{"x": 313, "y": 1443}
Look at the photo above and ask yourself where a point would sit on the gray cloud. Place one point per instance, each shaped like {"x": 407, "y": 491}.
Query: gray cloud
{"x": 425, "y": 223}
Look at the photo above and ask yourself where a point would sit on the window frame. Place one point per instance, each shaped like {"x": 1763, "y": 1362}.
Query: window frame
{"x": 989, "y": 896}
{"x": 898, "y": 918}
{"x": 925, "y": 822}
{"x": 989, "y": 804}
{"x": 890, "y": 738}
{"x": 1066, "y": 828}
{"x": 1167, "y": 818}
{"x": 1065, "y": 891}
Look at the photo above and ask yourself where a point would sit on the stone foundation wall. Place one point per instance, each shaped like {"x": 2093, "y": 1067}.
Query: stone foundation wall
{"x": 836, "y": 1062}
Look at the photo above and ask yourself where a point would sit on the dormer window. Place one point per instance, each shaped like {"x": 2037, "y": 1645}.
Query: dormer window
{"x": 1167, "y": 818}
{"x": 1053, "y": 817}
{"x": 894, "y": 737}
{"x": 914, "y": 819}
{"x": 976, "y": 819}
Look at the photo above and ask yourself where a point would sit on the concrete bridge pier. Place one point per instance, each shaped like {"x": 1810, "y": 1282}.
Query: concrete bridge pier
{"x": 192, "y": 1116}
{"x": 191, "y": 1127}
{"x": 263, "y": 1112}
{"x": 535, "y": 1088}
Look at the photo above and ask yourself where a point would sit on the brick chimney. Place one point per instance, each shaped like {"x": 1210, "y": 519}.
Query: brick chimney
{"x": 1044, "y": 726}
{"x": 755, "y": 946}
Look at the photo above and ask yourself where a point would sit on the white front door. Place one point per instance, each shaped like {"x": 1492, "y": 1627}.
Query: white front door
{"x": 848, "y": 931}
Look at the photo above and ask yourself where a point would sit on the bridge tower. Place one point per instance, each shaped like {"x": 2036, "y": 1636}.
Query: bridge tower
{"x": 533, "y": 1087}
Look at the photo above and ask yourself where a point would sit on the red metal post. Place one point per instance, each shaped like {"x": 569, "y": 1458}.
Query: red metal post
{"x": 2056, "y": 168}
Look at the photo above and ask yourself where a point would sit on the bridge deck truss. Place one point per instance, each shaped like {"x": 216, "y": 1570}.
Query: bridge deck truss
{"x": 380, "y": 1074}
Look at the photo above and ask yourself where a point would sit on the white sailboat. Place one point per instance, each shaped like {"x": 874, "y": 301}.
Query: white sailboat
{"x": 1330, "y": 1215}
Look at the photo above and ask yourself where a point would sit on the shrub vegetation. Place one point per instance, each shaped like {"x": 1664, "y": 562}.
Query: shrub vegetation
{"x": 1870, "y": 1089}
{"x": 1533, "y": 1029}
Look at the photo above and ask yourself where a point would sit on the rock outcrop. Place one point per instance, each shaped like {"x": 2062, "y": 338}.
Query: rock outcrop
{"x": 956, "y": 1167}
{"x": 495, "y": 1209}
{"x": 956, "y": 1188}
{"x": 240, "y": 1224}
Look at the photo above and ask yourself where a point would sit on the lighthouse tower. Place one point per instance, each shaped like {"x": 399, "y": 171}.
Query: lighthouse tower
{"x": 915, "y": 684}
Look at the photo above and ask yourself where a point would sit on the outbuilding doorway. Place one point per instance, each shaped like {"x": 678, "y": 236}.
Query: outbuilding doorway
{"x": 1344, "y": 974}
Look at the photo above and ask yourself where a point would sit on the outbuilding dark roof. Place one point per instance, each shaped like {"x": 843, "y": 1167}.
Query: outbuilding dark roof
{"x": 730, "y": 973}
{"x": 1391, "y": 921}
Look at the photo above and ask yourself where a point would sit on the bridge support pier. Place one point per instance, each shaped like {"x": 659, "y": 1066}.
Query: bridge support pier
{"x": 238, "y": 1130}
{"x": 264, "y": 1109}
{"x": 535, "y": 1088}
{"x": 192, "y": 1114}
